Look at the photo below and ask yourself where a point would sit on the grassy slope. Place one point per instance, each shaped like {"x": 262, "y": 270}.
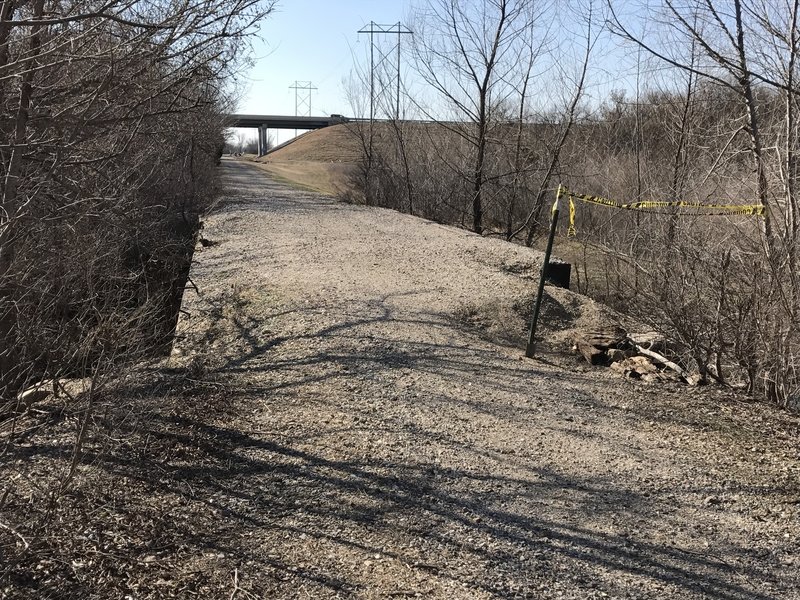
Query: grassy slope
{"x": 322, "y": 161}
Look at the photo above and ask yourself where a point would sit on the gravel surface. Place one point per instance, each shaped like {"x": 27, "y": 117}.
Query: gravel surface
{"x": 386, "y": 439}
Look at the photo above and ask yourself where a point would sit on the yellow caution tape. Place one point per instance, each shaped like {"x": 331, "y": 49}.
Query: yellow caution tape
{"x": 571, "y": 232}
{"x": 698, "y": 209}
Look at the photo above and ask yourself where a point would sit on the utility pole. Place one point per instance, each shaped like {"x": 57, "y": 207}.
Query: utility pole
{"x": 399, "y": 33}
{"x": 302, "y": 99}
{"x": 384, "y": 58}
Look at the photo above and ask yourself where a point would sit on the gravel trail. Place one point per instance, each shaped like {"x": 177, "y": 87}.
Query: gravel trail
{"x": 382, "y": 447}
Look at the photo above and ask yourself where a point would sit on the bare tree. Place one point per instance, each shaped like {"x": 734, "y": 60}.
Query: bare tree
{"x": 465, "y": 51}
{"x": 106, "y": 162}
{"x": 749, "y": 48}
{"x": 567, "y": 119}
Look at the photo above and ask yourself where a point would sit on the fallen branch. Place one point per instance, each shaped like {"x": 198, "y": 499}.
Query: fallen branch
{"x": 16, "y": 533}
{"x": 238, "y": 588}
{"x": 662, "y": 359}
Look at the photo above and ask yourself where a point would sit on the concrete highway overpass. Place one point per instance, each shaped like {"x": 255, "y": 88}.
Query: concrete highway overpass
{"x": 265, "y": 122}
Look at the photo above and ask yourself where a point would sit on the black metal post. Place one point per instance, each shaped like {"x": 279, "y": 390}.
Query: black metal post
{"x": 530, "y": 350}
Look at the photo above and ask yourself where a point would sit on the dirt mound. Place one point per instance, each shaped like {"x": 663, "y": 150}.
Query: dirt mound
{"x": 338, "y": 143}
{"x": 564, "y": 316}
{"x": 324, "y": 160}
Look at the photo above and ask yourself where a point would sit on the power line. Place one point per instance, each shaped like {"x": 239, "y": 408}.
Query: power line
{"x": 302, "y": 99}
{"x": 384, "y": 57}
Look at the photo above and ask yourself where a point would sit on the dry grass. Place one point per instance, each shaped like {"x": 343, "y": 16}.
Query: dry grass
{"x": 322, "y": 161}
{"x": 338, "y": 143}
{"x": 322, "y": 177}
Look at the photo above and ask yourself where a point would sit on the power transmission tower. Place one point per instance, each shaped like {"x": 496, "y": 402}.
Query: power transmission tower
{"x": 385, "y": 56}
{"x": 302, "y": 99}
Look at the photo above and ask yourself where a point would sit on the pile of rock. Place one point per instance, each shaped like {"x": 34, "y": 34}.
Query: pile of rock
{"x": 634, "y": 355}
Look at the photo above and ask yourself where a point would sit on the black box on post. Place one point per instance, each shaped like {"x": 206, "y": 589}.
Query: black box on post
{"x": 558, "y": 273}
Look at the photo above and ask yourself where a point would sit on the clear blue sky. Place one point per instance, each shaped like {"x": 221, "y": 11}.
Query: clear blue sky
{"x": 316, "y": 41}
{"x": 311, "y": 40}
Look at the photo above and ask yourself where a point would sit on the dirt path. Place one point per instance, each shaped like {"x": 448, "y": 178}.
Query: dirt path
{"x": 384, "y": 449}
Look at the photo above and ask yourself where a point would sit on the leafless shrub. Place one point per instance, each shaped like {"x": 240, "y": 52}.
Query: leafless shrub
{"x": 110, "y": 133}
{"x": 107, "y": 163}
{"x": 718, "y": 126}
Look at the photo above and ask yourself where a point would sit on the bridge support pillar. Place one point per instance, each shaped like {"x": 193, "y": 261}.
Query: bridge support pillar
{"x": 262, "y": 140}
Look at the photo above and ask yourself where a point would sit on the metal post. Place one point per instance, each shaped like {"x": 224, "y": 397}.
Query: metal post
{"x": 530, "y": 350}
{"x": 399, "y": 32}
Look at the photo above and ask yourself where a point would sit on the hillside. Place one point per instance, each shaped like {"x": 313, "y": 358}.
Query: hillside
{"x": 347, "y": 414}
{"x": 335, "y": 144}
{"x": 324, "y": 160}
{"x": 392, "y": 441}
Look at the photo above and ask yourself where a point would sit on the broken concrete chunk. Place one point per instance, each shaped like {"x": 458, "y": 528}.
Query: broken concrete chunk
{"x": 642, "y": 363}
{"x": 635, "y": 367}
{"x": 619, "y": 366}
{"x": 605, "y": 339}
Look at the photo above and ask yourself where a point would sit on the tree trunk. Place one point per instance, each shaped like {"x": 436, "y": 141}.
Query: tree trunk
{"x": 9, "y": 356}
